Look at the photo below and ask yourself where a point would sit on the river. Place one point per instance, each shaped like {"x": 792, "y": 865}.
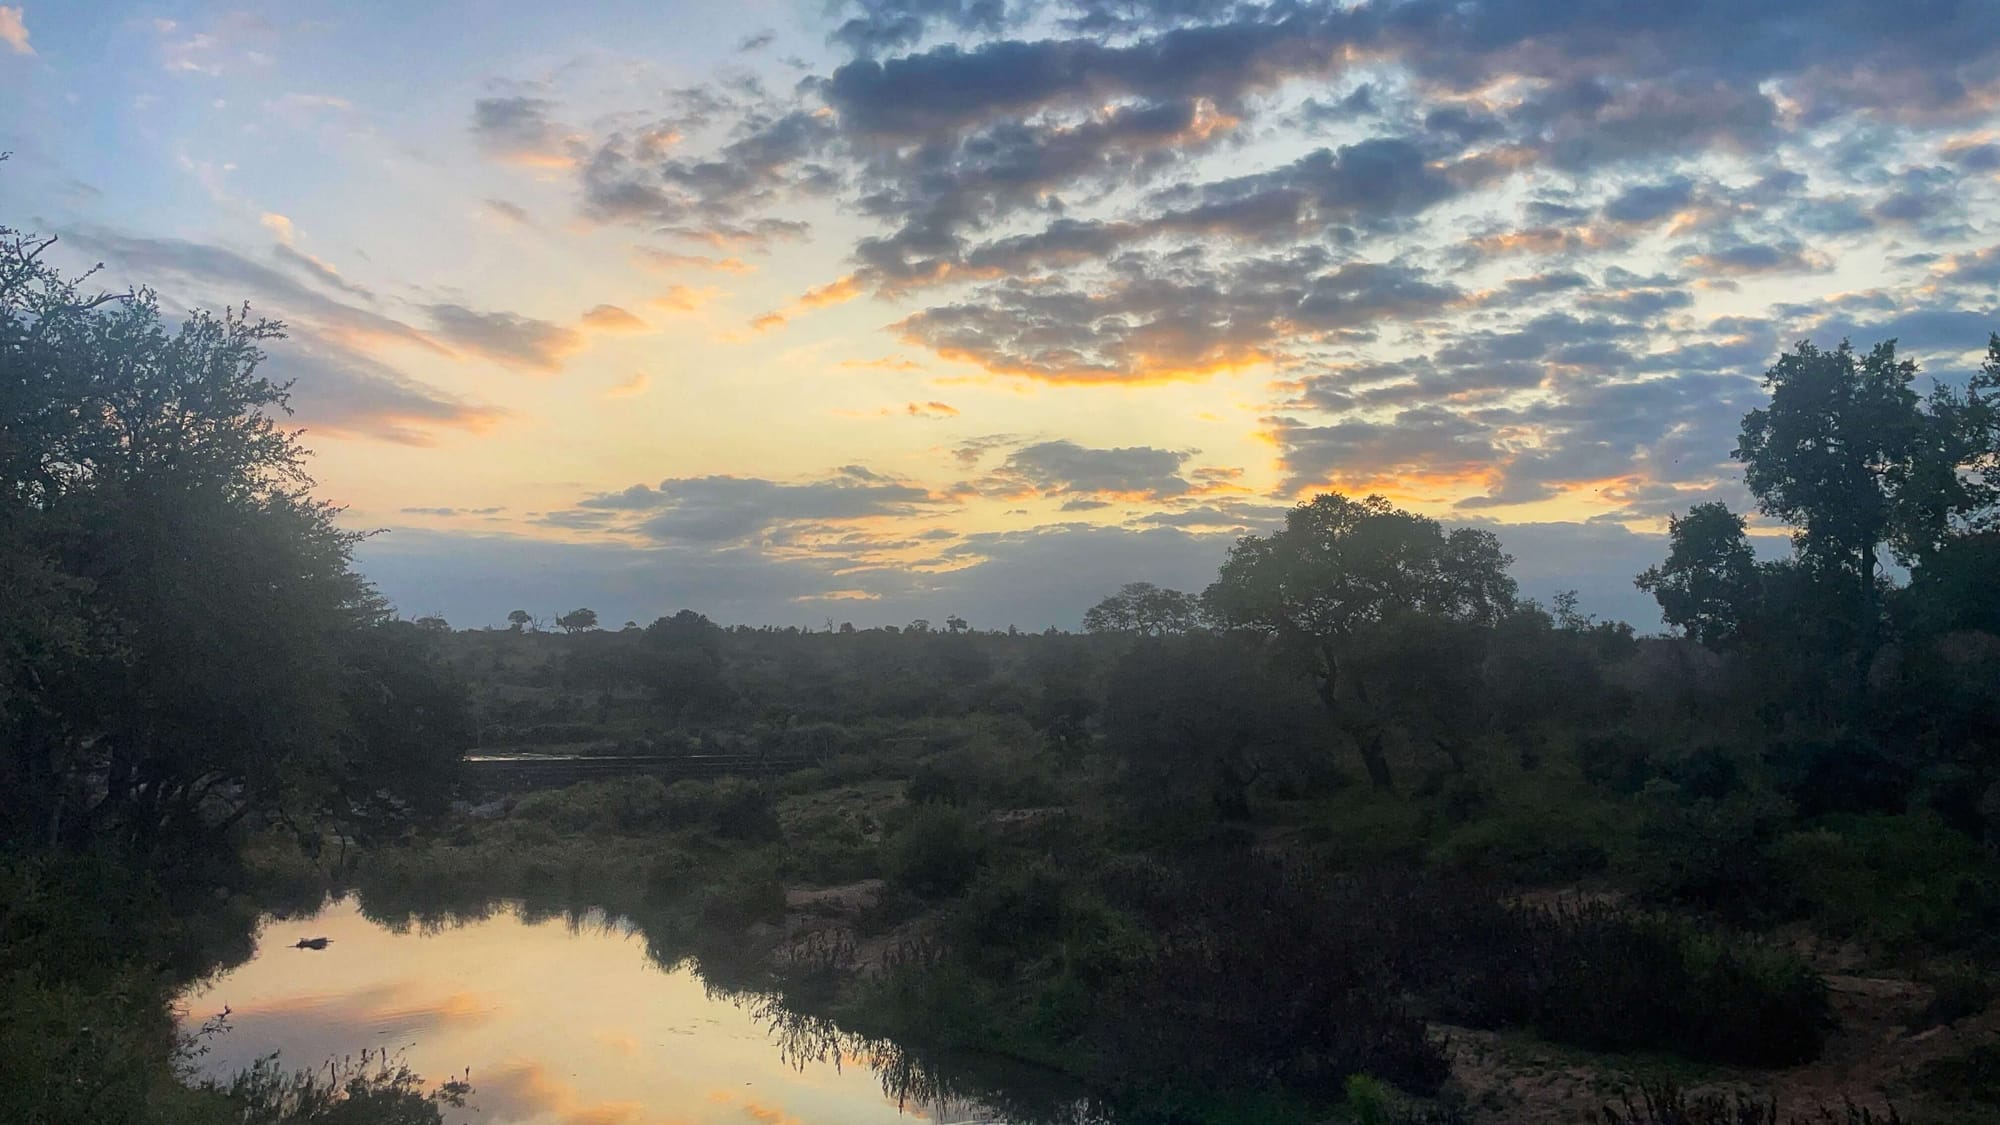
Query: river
{"x": 560, "y": 1021}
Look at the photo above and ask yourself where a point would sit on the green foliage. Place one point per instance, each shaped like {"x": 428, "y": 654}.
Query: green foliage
{"x": 1892, "y": 879}
{"x": 730, "y": 808}
{"x": 936, "y": 851}
{"x": 1145, "y": 609}
{"x": 1703, "y": 850}
{"x": 1708, "y": 585}
{"x": 1580, "y": 974}
{"x": 371, "y": 1090}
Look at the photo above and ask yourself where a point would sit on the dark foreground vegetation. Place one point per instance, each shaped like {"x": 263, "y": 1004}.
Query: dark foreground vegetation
{"x": 1356, "y": 833}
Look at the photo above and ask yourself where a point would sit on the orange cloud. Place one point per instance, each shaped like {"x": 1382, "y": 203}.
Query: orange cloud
{"x": 684, "y": 298}
{"x": 1546, "y": 240}
{"x": 631, "y": 388}
{"x": 14, "y": 32}
{"x": 835, "y": 292}
{"x": 668, "y": 260}
{"x": 884, "y": 363}
{"x": 611, "y": 318}
{"x": 1141, "y": 369}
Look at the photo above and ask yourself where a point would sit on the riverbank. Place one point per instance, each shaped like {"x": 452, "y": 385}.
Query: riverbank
{"x": 1129, "y": 955}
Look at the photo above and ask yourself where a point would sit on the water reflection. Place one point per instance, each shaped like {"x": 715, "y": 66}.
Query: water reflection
{"x": 568, "y": 1020}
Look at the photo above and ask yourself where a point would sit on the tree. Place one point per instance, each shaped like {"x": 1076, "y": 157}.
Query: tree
{"x": 434, "y": 623}
{"x": 1141, "y": 607}
{"x": 1199, "y": 719}
{"x": 518, "y": 620}
{"x": 176, "y": 601}
{"x": 1709, "y": 582}
{"x": 1850, "y": 457}
{"x": 1341, "y": 566}
{"x": 577, "y": 620}
{"x": 955, "y": 624}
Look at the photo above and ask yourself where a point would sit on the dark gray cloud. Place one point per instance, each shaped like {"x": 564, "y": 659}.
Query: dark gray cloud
{"x": 631, "y": 176}
{"x": 1172, "y": 319}
{"x": 519, "y": 129}
{"x": 506, "y": 338}
{"x": 319, "y": 271}
{"x": 195, "y": 272}
{"x": 884, "y": 25}
{"x": 726, "y": 509}
{"x": 1135, "y": 472}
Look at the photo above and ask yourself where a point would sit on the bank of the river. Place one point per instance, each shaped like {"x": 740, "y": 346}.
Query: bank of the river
{"x": 1051, "y": 934}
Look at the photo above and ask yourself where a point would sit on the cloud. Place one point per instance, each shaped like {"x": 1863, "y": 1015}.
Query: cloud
{"x": 518, "y": 130}
{"x": 670, "y": 260}
{"x": 773, "y": 161}
{"x": 1133, "y": 472}
{"x": 611, "y": 318}
{"x": 632, "y": 387}
{"x": 509, "y": 211}
{"x": 221, "y": 276}
{"x": 14, "y": 31}
{"x": 508, "y": 339}
{"x": 1172, "y": 321}
{"x": 340, "y": 392}
{"x": 684, "y": 298}
{"x": 726, "y": 509}
{"x": 837, "y": 291}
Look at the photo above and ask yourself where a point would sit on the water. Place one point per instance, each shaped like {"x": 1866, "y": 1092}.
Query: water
{"x": 559, "y": 1024}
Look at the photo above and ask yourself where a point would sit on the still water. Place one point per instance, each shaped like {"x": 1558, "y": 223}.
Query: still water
{"x": 559, "y": 1024}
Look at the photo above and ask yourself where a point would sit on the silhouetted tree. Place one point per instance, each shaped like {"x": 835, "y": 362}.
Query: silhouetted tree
{"x": 1341, "y": 566}
{"x": 1709, "y": 581}
{"x": 577, "y": 620}
{"x": 1851, "y": 457}
{"x": 519, "y": 620}
{"x": 1141, "y": 607}
{"x": 171, "y": 632}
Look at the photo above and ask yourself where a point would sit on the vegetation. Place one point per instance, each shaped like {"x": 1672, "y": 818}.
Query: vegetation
{"x": 1272, "y": 851}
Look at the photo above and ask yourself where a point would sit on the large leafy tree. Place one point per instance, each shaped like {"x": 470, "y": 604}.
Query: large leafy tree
{"x": 1141, "y": 607}
{"x": 1852, "y": 458}
{"x": 1341, "y": 567}
{"x": 177, "y": 602}
{"x": 1709, "y": 581}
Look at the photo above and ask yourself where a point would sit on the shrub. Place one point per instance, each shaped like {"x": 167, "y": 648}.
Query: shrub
{"x": 1617, "y": 761}
{"x": 1846, "y": 775}
{"x": 626, "y": 804}
{"x": 1605, "y": 979}
{"x": 1895, "y": 879}
{"x": 1705, "y": 851}
{"x": 742, "y": 902}
{"x": 1972, "y": 1075}
{"x": 830, "y": 848}
{"x": 935, "y": 853}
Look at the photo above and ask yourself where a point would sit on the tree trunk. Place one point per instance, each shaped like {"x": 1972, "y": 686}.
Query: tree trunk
{"x": 1367, "y": 734}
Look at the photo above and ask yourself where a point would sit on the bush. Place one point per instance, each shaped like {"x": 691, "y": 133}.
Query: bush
{"x": 1605, "y": 979}
{"x": 830, "y": 848}
{"x": 1705, "y": 851}
{"x": 627, "y": 804}
{"x": 1847, "y": 775}
{"x": 935, "y": 853}
{"x": 1617, "y": 761}
{"x": 742, "y": 902}
{"x": 1894, "y": 879}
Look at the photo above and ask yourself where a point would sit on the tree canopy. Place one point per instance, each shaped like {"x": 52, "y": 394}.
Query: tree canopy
{"x": 180, "y": 609}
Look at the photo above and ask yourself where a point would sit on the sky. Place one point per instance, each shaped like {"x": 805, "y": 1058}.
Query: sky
{"x": 791, "y": 311}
